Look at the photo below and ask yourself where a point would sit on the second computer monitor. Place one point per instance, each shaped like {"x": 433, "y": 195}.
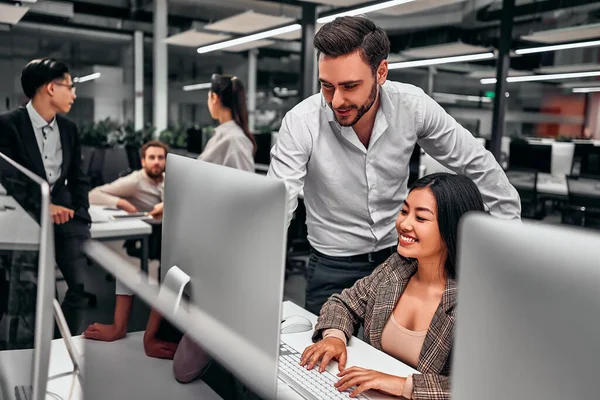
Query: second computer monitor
{"x": 528, "y": 306}
{"x": 226, "y": 229}
{"x": 530, "y": 157}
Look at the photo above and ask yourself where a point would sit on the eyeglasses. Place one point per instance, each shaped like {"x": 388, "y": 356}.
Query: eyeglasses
{"x": 71, "y": 87}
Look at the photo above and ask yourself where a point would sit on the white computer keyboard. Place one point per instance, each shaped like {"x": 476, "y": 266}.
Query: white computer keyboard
{"x": 311, "y": 384}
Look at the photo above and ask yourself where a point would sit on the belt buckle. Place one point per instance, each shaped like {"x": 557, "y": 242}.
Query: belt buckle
{"x": 370, "y": 257}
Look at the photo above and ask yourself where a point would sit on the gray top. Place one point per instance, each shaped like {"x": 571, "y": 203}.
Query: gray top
{"x": 230, "y": 147}
{"x": 354, "y": 194}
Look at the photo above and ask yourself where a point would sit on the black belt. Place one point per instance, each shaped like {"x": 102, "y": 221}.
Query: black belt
{"x": 376, "y": 256}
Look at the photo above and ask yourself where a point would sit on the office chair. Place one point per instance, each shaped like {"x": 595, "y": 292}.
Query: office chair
{"x": 115, "y": 164}
{"x": 584, "y": 200}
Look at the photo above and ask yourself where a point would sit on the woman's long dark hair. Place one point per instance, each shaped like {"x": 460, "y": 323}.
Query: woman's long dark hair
{"x": 232, "y": 94}
{"x": 455, "y": 195}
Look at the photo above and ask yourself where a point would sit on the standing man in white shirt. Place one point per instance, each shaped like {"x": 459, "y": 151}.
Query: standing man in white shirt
{"x": 349, "y": 147}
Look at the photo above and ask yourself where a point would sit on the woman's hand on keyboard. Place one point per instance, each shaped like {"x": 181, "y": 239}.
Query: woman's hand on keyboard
{"x": 365, "y": 379}
{"x": 323, "y": 352}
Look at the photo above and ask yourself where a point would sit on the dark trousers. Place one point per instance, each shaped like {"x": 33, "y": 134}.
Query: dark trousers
{"x": 328, "y": 275}
{"x": 71, "y": 261}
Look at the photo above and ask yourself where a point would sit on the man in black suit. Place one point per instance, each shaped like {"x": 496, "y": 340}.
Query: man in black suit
{"x": 46, "y": 143}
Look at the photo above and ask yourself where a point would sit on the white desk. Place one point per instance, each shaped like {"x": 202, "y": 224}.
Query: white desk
{"x": 18, "y": 230}
{"x": 106, "y": 229}
{"x": 118, "y": 370}
{"x": 359, "y": 354}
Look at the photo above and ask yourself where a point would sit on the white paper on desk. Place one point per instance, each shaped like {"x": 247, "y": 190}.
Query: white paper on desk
{"x": 98, "y": 215}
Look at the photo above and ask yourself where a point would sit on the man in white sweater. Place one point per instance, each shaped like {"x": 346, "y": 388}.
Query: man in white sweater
{"x": 140, "y": 191}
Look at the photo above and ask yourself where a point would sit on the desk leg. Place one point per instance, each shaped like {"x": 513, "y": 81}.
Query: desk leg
{"x": 144, "y": 260}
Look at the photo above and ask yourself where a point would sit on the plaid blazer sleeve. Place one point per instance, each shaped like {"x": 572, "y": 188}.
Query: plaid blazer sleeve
{"x": 431, "y": 387}
{"x": 346, "y": 311}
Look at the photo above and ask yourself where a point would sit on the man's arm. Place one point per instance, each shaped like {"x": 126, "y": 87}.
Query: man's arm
{"x": 289, "y": 158}
{"x": 454, "y": 147}
{"x": 116, "y": 330}
{"x": 114, "y": 194}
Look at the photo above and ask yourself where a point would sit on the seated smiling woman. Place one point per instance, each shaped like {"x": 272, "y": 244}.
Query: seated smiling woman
{"x": 408, "y": 304}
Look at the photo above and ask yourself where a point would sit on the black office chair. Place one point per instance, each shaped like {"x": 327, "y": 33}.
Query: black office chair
{"x": 584, "y": 202}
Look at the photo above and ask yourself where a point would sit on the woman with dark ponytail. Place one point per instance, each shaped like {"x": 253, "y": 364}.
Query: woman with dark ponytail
{"x": 232, "y": 144}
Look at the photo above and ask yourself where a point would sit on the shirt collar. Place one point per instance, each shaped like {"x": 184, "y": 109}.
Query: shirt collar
{"x": 36, "y": 119}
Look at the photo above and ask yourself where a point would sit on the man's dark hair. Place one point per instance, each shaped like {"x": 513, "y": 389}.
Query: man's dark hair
{"x": 154, "y": 143}
{"x": 39, "y": 72}
{"x": 345, "y": 35}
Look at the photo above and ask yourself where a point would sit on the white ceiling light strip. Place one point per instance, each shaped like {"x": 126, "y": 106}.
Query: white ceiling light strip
{"x": 547, "y": 77}
{"x": 86, "y": 78}
{"x": 364, "y": 10}
{"x": 249, "y": 38}
{"x": 442, "y": 60}
{"x": 196, "y": 86}
{"x": 586, "y": 90}
{"x": 556, "y": 47}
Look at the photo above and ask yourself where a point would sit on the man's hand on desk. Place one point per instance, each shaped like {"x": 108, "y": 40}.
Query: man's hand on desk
{"x": 324, "y": 351}
{"x": 125, "y": 205}
{"x": 60, "y": 214}
{"x": 157, "y": 211}
{"x": 159, "y": 348}
{"x": 104, "y": 333}
{"x": 365, "y": 379}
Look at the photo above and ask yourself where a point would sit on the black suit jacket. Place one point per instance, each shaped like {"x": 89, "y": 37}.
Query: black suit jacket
{"x": 17, "y": 141}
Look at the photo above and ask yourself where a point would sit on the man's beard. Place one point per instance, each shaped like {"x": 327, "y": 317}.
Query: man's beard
{"x": 362, "y": 110}
{"x": 154, "y": 175}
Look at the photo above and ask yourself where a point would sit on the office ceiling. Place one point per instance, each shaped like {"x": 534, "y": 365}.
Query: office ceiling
{"x": 423, "y": 28}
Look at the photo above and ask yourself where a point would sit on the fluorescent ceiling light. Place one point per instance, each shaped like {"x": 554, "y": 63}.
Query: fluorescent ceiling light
{"x": 586, "y": 90}
{"x": 558, "y": 47}
{"x": 462, "y": 97}
{"x": 364, "y": 10}
{"x": 441, "y": 60}
{"x": 547, "y": 77}
{"x": 197, "y": 86}
{"x": 249, "y": 38}
{"x": 86, "y": 78}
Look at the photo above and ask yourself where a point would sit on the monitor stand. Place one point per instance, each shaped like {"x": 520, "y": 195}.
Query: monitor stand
{"x": 65, "y": 332}
{"x": 174, "y": 283}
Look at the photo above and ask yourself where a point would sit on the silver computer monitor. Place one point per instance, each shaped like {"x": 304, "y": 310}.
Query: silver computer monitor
{"x": 27, "y": 280}
{"x": 528, "y": 307}
{"x": 226, "y": 229}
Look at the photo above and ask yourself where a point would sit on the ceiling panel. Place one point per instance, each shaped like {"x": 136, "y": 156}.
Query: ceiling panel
{"x": 194, "y": 38}
{"x": 248, "y": 22}
{"x": 565, "y": 35}
{"x": 296, "y": 35}
{"x": 444, "y": 50}
{"x": 10, "y": 14}
{"x": 559, "y": 69}
{"x": 417, "y": 6}
{"x": 250, "y": 45}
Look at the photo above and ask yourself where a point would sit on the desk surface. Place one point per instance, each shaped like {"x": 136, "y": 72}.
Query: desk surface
{"x": 104, "y": 228}
{"x": 19, "y": 231}
{"x": 359, "y": 354}
{"x": 118, "y": 370}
